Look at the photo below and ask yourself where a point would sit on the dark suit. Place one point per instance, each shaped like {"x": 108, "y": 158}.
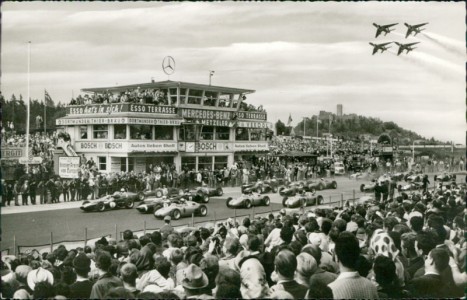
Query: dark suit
{"x": 427, "y": 286}
{"x": 295, "y": 289}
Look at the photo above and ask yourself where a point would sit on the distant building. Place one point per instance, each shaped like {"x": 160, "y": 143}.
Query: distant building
{"x": 339, "y": 110}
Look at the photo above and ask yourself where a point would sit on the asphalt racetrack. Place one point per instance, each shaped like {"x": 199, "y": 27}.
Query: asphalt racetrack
{"x": 68, "y": 224}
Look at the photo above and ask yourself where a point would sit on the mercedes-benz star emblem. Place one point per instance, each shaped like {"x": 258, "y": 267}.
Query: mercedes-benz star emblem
{"x": 168, "y": 65}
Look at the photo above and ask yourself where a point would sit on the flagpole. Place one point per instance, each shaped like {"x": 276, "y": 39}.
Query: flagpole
{"x": 28, "y": 112}
{"x": 45, "y": 112}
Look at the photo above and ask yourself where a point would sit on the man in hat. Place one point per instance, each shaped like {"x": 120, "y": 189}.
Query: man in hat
{"x": 82, "y": 287}
{"x": 195, "y": 283}
{"x": 167, "y": 228}
{"x": 23, "y": 291}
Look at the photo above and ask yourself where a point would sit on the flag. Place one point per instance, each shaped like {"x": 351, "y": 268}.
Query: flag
{"x": 290, "y": 120}
{"x": 48, "y": 100}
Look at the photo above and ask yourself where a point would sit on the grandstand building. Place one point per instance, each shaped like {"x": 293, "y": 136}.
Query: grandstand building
{"x": 188, "y": 124}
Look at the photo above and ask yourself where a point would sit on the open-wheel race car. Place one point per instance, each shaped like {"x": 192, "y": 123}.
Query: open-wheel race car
{"x": 322, "y": 184}
{"x": 152, "y": 204}
{"x": 209, "y": 191}
{"x": 411, "y": 177}
{"x": 114, "y": 201}
{"x": 181, "y": 208}
{"x": 248, "y": 200}
{"x": 411, "y": 186}
{"x": 264, "y": 186}
{"x": 158, "y": 193}
{"x": 292, "y": 188}
{"x": 303, "y": 199}
{"x": 445, "y": 177}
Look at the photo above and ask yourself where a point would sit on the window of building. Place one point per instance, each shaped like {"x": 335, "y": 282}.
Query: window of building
{"x": 183, "y": 96}
{"x": 194, "y": 96}
{"x": 224, "y": 100}
{"x": 257, "y": 134}
{"x": 207, "y": 133}
{"x": 123, "y": 164}
{"x": 205, "y": 162}
{"x": 173, "y": 96}
{"x": 220, "y": 162}
{"x": 119, "y": 131}
{"x": 210, "y": 98}
{"x": 102, "y": 163}
{"x": 222, "y": 133}
{"x": 131, "y": 164}
{"x": 189, "y": 132}
{"x": 235, "y": 101}
{"x": 165, "y": 133}
{"x": 83, "y": 132}
{"x": 241, "y": 134}
{"x": 189, "y": 163}
{"x": 101, "y": 131}
{"x": 140, "y": 132}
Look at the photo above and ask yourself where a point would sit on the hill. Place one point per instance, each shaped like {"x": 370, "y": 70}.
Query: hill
{"x": 355, "y": 127}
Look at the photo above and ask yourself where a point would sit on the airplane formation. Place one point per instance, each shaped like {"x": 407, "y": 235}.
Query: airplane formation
{"x": 411, "y": 29}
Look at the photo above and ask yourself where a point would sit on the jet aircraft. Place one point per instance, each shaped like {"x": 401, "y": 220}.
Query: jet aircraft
{"x": 408, "y": 47}
{"x": 383, "y": 28}
{"x": 381, "y": 47}
{"x": 414, "y": 28}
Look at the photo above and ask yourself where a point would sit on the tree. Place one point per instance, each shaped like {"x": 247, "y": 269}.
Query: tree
{"x": 281, "y": 128}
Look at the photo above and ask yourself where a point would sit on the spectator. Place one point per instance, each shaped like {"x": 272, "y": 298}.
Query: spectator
{"x": 106, "y": 280}
{"x": 349, "y": 284}
{"x": 129, "y": 274}
{"x": 285, "y": 266}
{"x": 83, "y": 286}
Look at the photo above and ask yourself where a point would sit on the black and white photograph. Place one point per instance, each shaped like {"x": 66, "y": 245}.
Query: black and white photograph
{"x": 233, "y": 150}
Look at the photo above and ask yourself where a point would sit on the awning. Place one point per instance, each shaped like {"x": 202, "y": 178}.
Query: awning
{"x": 296, "y": 154}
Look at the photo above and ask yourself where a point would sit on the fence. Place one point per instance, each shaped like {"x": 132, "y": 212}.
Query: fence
{"x": 338, "y": 199}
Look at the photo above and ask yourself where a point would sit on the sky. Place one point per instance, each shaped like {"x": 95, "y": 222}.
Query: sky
{"x": 300, "y": 58}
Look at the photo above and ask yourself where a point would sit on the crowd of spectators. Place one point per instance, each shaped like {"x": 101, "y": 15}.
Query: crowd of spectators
{"x": 149, "y": 96}
{"x": 410, "y": 246}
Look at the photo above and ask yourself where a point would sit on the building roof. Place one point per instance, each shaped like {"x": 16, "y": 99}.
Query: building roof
{"x": 170, "y": 84}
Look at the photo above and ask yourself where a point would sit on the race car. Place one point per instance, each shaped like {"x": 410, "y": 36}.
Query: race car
{"x": 263, "y": 187}
{"x": 117, "y": 200}
{"x": 210, "y": 191}
{"x": 303, "y": 199}
{"x": 181, "y": 208}
{"x": 445, "y": 177}
{"x": 321, "y": 184}
{"x": 390, "y": 177}
{"x": 411, "y": 186}
{"x": 150, "y": 205}
{"x": 158, "y": 193}
{"x": 248, "y": 200}
{"x": 411, "y": 177}
{"x": 292, "y": 188}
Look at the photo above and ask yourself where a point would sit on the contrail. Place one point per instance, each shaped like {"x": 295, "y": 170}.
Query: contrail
{"x": 445, "y": 70}
{"x": 447, "y": 44}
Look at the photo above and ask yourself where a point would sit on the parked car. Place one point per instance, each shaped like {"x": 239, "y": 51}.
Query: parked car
{"x": 181, "y": 208}
{"x": 248, "y": 200}
{"x": 303, "y": 199}
{"x": 339, "y": 168}
{"x": 117, "y": 200}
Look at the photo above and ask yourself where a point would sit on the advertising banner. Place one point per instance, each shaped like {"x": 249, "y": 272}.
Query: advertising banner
{"x": 68, "y": 167}
{"x": 12, "y": 152}
{"x": 127, "y": 146}
{"x": 251, "y": 146}
{"x": 117, "y": 120}
{"x": 119, "y": 108}
{"x": 193, "y": 113}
